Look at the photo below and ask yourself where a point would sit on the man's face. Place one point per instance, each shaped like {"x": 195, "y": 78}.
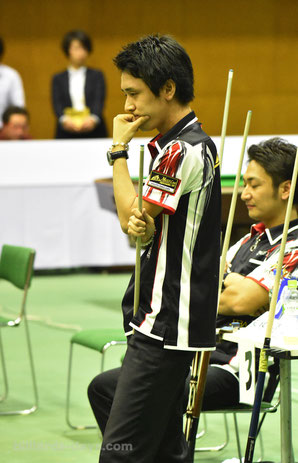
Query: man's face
{"x": 17, "y": 127}
{"x": 263, "y": 201}
{"x": 140, "y": 101}
{"x": 77, "y": 53}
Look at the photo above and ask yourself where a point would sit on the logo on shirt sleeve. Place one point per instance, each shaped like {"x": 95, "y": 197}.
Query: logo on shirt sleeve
{"x": 163, "y": 182}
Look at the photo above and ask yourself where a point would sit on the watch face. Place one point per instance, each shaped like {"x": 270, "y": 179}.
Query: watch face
{"x": 109, "y": 158}
{"x": 117, "y": 154}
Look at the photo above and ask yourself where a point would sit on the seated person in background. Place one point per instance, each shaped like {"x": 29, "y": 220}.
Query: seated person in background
{"x": 15, "y": 124}
{"x": 78, "y": 94}
{"x": 11, "y": 86}
{"x": 251, "y": 261}
{"x": 249, "y": 275}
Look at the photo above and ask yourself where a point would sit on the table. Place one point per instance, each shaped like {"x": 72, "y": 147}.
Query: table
{"x": 48, "y": 199}
{"x": 285, "y": 354}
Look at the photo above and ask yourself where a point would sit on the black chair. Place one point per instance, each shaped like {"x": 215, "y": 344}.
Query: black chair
{"x": 269, "y": 405}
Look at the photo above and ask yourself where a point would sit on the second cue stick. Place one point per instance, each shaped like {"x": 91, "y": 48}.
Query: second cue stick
{"x": 138, "y": 242}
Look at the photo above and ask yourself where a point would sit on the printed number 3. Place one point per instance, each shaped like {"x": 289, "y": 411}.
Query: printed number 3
{"x": 248, "y": 358}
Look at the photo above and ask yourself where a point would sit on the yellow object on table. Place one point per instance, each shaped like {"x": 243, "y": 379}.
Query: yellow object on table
{"x": 76, "y": 116}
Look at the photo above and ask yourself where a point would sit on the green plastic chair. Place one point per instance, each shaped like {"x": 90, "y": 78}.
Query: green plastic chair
{"x": 100, "y": 340}
{"x": 16, "y": 266}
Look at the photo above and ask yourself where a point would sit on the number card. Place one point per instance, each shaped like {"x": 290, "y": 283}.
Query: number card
{"x": 247, "y": 372}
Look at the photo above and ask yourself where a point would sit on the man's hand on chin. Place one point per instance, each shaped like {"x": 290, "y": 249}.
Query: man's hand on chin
{"x": 125, "y": 127}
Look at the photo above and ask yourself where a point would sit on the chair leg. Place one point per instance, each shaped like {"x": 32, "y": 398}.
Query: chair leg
{"x": 204, "y": 429}
{"x": 260, "y": 437}
{"x": 237, "y": 437}
{"x": 102, "y": 361}
{"x": 72, "y": 426}
{"x": 106, "y": 347}
{"x": 35, "y": 406}
{"x": 81, "y": 427}
{"x": 219, "y": 447}
{"x": 27, "y": 411}
{"x": 5, "y": 380}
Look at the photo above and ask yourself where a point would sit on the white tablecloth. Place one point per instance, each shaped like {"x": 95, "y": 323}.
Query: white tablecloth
{"x": 48, "y": 199}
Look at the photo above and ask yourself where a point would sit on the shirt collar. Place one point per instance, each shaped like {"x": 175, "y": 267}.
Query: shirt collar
{"x": 274, "y": 234}
{"x": 80, "y": 70}
{"x": 160, "y": 141}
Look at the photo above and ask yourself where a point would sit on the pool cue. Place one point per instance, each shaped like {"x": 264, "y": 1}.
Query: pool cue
{"x": 225, "y": 115}
{"x": 233, "y": 203}
{"x": 192, "y": 421}
{"x": 202, "y": 364}
{"x": 263, "y": 362}
{"x": 136, "y": 298}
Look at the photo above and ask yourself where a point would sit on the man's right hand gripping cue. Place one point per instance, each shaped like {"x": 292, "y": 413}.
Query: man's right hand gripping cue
{"x": 141, "y": 224}
{"x": 124, "y": 128}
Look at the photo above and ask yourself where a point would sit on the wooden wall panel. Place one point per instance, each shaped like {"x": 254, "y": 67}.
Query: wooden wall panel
{"x": 257, "y": 38}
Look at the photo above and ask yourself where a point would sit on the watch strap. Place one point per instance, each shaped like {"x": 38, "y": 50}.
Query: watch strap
{"x": 119, "y": 154}
{"x": 112, "y": 156}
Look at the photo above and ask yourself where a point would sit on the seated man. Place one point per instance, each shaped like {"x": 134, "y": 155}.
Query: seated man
{"x": 249, "y": 276}
{"x": 15, "y": 124}
{"x": 251, "y": 261}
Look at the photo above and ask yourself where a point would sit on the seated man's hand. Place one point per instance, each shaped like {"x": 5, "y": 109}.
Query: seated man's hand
{"x": 141, "y": 224}
{"x": 232, "y": 279}
{"x": 242, "y": 296}
{"x": 260, "y": 311}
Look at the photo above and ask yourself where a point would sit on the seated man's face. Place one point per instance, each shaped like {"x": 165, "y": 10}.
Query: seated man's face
{"x": 17, "y": 127}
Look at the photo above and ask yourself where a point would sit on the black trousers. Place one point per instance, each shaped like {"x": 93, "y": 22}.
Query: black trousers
{"x": 140, "y": 411}
{"x": 222, "y": 389}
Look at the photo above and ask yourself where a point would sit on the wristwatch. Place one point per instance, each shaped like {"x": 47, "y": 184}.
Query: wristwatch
{"x": 116, "y": 155}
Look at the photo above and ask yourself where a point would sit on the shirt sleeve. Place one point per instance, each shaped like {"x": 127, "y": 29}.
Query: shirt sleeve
{"x": 176, "y": 171}
{"x": 17, "y": 95}
{"x": 264, "y": 274}
{"x": 232, "y": 251}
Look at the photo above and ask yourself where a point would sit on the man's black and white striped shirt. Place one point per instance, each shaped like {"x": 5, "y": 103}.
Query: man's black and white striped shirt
{"x": 179, "y": 271}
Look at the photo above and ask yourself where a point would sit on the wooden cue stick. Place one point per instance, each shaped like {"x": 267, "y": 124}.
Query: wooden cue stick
{"x": 225, "y": 115}
{"x": 233, "y": 203}
{"x": 201, "y": 360}
{"x": 205, "y": 355}
{"x": 282, "y": 250}
{"x": 229, "y": 227}
{"x": 252, "y": 435}
{"x": 138, "y": 242}
{"x": 196, "y": 361}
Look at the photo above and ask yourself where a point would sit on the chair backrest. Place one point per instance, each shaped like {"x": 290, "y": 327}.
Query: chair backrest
{"x": 16, "y": 265}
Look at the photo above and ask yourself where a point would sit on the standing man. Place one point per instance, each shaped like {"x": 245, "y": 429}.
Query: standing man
{"x": 179, "y": 268}
{"x": 78, "y": 93}
{"x": 250, "y": 273}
